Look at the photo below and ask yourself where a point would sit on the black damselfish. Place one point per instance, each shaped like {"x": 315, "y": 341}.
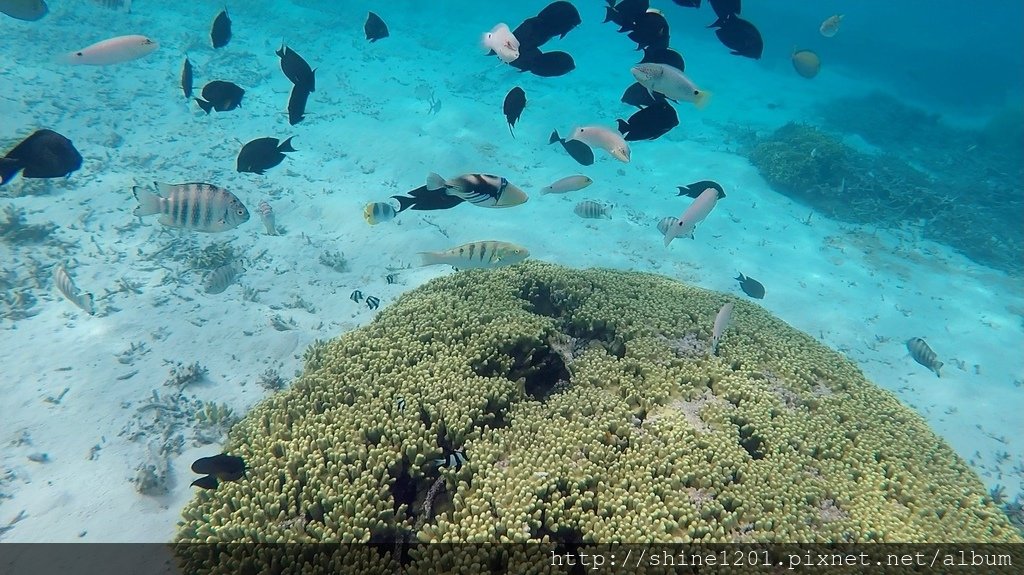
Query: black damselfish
{"x": 666, "y": 56}
{"x": 186, "y": 78}
{"x": 650, "y": 31}
{"x": 297, "y": 69}
{"x": 740, "y": 36}
{"x": 515, "y": 102}
{"x": 649, "y": 123}
{"x": 556, "y": 19}
{"x": 375, "y": 28}
{"x": 639, "y": 96}
{"x": 44, "y": 154}
{"x": 579, "y": 151}
{"x": 222, "y": 466}
{"x": 220, "y": 33}
{"x": 693, "y": 190}
{"x": 261, "y": 154}
{"x": 221, "y": 96}
{"x": 297, "y": 104}
{"x": 544, "y": 64}
{"x": 751, "y": 286}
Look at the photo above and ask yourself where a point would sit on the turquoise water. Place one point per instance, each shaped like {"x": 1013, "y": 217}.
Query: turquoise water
{"x": 917, "y": 236}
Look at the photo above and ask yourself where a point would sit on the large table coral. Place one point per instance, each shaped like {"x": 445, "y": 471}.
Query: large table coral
{"x": 590, "y": 410}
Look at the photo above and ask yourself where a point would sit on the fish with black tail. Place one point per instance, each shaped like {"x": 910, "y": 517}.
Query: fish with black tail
{"x": 297, "y": 104}
{"x": 356, "y": 296}
{"x": 650, "y": 30}
{"x": 544, "y": 64}
{"x": 740, "y": 36}
{"x": 220, "y": 32}
{"x": 44, "y": 154}
{"x": 923, "y": 354}
{"x": 221, "y": 467}
{"x": 693, "y": 190}
{"x": 221, "y": 96}
{"x": 649, "y": 123}
{"x": 515, "y": 102}
{"x": 261, "y": 154}
{"x": 373, "y": 302}
{"x": 579, "y": 151}
{"x": 423, "y": 199}
{"x": 375, "y": 27}
{"x": 751, "y": 286}
{"x": 666, "y": 56}
{"x": 26, "y": 10}
{"x": 455, "y": 458}
{"x": 296, "y": 69}
{"x": 186, "y": 78}
{"x": 637, "y": 95}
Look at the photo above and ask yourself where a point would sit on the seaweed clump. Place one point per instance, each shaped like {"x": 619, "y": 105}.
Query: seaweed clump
{"x": 580, "y": 425}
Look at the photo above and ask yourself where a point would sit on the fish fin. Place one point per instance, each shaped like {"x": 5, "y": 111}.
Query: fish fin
{"x": 206, "y": 106}
{"x": 149, "y": 202}
{"x": 404, "y": 202}
{"x": 286, "y": 146}
{"x": 554, "y": 137}
{"x": 702, "y": 99}
{"x": 430, "y": 258}
{"x": 623, "y": 126}
{"x": 9, "y": 167}
{"x": 510, "y": 130}
{"x": 436, "y": 182}
{"x": 85, "y": 301}
{"x": 938, "y": 366}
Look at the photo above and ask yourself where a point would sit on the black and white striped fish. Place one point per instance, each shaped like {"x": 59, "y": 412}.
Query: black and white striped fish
{"x": 67, "y": 287}
{"x": 478, "y": 255}
{"x": 267, "y": 215}
{"x": 482, "y": 190}
{"x": 221, "y": 278}
{"x": 193, "y": 206}
{"x": 455, "y": 458}
{"x": 592, "y": 210}
{"x": 664, "y": 224}
{"x": 923, "y": 354}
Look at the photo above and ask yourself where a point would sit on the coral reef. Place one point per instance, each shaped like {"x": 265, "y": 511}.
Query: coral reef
{"x": 14, "y": 229}
{"x": 955, "y": 201}
{"x": 581, "y": 424}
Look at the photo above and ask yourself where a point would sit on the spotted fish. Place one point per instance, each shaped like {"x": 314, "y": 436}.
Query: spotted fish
{"x": 478, "y": 255}
{"x": 923, "y": 354}
{"x": 194, "y": 206}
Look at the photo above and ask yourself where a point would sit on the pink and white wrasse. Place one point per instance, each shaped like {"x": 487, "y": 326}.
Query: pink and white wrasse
{"x": 502, "y": 41}
{"x": 112, "y": 51}
{"x": 601, "y": 137}
{"x": 695, "y": 214}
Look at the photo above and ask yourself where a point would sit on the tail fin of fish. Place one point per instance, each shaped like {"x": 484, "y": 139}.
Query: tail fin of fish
{"x": 702, "y": 99}
{"x": 149, "y": 202}
{"x": 431, "y": 258}
{"x": 938, "y": 365}
{"x": 554, "y": 137}
{"x": 623, "y": 126}
{"x": 286, "y": 146}
{"x": 404, "y": 202}
{"x": 436, "y": 182}
{"x": 86, "y": 302}
{"x": 206, "y": 106}
{"x": 8, "y": 168}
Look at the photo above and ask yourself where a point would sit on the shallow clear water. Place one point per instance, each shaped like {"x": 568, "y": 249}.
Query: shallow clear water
{"x": 927, "y": 90}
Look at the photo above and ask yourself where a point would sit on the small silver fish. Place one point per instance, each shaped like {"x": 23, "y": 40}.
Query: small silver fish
{"x": 592, "y": 210}
{"x": 67, "y": 287}
{"x": 192, "y": 206}
{"x": 267, "y": 215}
{"x": 221, "y": 278}
{"x": 721, "y": 324}
{"x": 568, "y": 184}
{"x": 923, "y": 354}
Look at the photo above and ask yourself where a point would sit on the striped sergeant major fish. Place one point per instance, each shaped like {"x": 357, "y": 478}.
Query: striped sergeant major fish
{"x": 193, "y": 206}
{"x": 482, "y": 190}
{"x": 923, "y": 354}
{"x": 67, "y": 287}
{"x": 478, "y": 255}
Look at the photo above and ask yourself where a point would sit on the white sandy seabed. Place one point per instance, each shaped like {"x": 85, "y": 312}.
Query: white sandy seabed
{"x": 367, "y": 136}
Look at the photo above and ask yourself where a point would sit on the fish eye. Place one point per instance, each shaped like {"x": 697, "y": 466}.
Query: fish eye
{"x": 696, "y": 92}
{"x": 240, "y": 212}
